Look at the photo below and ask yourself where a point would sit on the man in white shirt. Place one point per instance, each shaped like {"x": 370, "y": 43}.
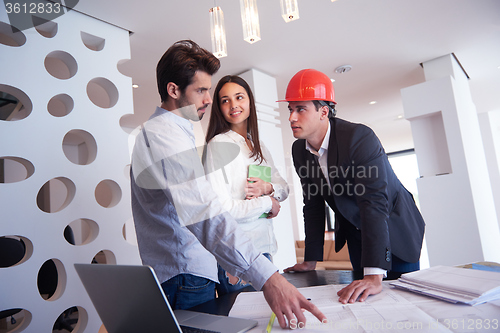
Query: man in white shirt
{"x": 182, "y": 230}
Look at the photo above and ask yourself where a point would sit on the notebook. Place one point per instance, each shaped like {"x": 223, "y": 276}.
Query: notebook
{"x": 129, "y": 299}
{"x": 260, "y": 171}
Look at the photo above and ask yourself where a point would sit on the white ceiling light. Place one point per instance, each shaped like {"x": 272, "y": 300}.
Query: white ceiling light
{"x": 250, "y": 20}
{"x": 289, "y": 10}
{"x": 373, "y": 102}
{"x": 343, "y": 69}
{"x": 218, "y": 32}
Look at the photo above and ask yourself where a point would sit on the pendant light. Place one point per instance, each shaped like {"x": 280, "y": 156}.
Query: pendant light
{"x": 250, "y": 20}
{"x": 289, "y": 10}
{"x": 218, "y": 32}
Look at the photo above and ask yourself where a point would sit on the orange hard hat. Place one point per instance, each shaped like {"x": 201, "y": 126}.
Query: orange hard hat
{"x": 309, "y": 85}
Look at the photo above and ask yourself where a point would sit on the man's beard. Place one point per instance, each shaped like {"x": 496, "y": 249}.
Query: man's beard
{"x": 188, "y": 109}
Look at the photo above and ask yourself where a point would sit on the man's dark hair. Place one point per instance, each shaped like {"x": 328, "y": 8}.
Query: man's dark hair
{"x": 180, "y": 63}
{"x": 331, "y": 107}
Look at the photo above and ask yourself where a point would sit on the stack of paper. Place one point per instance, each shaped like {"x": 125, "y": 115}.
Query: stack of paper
{"x": 452, "y": 284}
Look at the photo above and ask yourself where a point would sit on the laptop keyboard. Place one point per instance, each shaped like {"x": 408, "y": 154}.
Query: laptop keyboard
{"x": 187, "y": 329}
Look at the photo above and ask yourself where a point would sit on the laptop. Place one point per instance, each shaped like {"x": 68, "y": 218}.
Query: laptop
{"x": 129, "y": 299}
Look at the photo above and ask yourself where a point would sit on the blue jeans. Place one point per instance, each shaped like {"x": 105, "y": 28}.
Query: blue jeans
{"x": 184, "y": 291}
{"x": 225, "y": 287}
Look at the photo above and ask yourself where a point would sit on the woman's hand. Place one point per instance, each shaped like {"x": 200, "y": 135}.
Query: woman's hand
{"x": 256, "y": 187}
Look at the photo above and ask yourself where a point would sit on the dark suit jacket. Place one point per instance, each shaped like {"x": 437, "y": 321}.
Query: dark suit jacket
{"x": 363, "y": 191}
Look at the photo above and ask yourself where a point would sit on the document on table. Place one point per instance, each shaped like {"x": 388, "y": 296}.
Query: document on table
{"x": 387, "y": 311}
{"x": 453, "y": 284}
{"x": 460, "y": 318}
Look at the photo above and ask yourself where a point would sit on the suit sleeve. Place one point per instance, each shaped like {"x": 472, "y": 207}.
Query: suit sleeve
{"x": 314, "y": 205}
{"x": 371, "y": 192}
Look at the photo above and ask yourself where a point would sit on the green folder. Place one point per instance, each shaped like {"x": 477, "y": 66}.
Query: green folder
{"x": 262, "y": 172}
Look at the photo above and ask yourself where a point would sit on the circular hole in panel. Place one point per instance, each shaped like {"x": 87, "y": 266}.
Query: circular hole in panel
{"x": 128, "y": 232}
{"x": 15, "y": 104}
{"x": 80, "y": 147}
{"x": 55, "y": 195}
{"x": 108, "y": 193}
{"x": 81, "y": 232}
{"x": 21, "y": 320}
{"x": 15, "y": 169}
{"x": 11, "y": 36}
{"x": 60, "y": 105}
{"x": 73, "y": 319}
{"x": 14, "y": 250}
{"x": 92, "y": 42}
{"x": 44, "y": 27}
{"x": 61, "y": 65}
{"x": 102, "y": 92}
{"x": 83, "y": 319}
{"x": 104, "y": 257}
{"x": 51, "y": 280}
{"x": 130, "y": 124}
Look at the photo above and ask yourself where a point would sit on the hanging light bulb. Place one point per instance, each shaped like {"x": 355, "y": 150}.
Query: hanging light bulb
{"x": 218, "y": 31}
{"x": 250, "y": 19}
{"x": 289, "y": 10}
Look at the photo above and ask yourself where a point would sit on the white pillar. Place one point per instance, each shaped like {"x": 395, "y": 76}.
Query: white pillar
{"x": 490, "y": 130}
{"x": 454, "y": 189}
{"x": 266, "y": 94}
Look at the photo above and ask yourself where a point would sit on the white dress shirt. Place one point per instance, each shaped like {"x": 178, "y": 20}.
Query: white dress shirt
{"x": 179, "y": 221}
{"x": 228, "y": 180}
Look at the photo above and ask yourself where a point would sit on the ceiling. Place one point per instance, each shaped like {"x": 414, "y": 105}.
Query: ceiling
{"x": 384, "y": 41}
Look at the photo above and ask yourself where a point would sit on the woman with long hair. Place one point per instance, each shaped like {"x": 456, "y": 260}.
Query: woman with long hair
{"x": 232, "y": 145}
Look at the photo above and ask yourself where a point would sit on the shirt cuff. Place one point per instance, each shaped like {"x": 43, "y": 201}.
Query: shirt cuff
{"x": 374, "y": 271}
{"x": 268, "y": 205}
{"x": 259, "y": 272}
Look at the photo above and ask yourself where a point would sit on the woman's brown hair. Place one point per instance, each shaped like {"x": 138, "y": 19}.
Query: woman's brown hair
{"x": 218, "y": 124}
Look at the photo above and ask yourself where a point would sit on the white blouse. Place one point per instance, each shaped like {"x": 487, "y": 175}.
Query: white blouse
{"x": 229, "y": 180}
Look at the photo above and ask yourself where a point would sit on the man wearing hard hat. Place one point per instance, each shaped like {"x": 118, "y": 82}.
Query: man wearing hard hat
{"x": 345, "y": 165}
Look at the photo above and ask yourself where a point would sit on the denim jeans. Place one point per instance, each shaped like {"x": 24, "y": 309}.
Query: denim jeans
{"x": 225, "y": 287}
{"x": 186, "y": 290}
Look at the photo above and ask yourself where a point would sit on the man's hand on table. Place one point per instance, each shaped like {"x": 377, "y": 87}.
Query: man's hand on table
{"x": 286, "y": 301}
{"x": 302, "y": 267}
{"x": 370, "y": 285}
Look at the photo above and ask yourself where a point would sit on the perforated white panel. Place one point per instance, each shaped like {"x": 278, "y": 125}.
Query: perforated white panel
{"x": 64, "y": 162}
